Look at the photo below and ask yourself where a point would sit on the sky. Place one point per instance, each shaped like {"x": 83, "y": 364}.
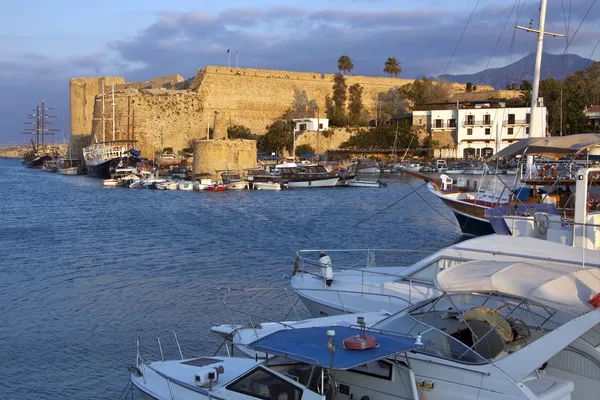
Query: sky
{"x": 43, "y": 44}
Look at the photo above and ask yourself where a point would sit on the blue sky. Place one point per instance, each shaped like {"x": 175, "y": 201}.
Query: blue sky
{"x": 44, "y": 43}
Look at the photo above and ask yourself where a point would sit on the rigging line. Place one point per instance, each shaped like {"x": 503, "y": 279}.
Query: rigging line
{"x": 512, "y": 43}
{"x": 437, "y": 211}
{"x": 391, "y": 205}
{"x": 497, "y": 42}
{"x": 591, "y": 55}
{"x": 574, "y": 34}
{"x": 461, "y": 36}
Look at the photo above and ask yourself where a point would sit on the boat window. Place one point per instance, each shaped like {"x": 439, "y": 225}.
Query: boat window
{"x": 429, "y": 272}
{"x": 379, "y": 369}
{"x": 263, "y": 384}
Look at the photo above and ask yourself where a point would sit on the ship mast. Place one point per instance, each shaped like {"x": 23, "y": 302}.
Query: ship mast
{"x": 40, "y": 126}
{"x": 536, "y": 75}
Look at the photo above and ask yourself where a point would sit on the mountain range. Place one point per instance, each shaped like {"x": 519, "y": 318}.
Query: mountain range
{"x": 553, "y": 65}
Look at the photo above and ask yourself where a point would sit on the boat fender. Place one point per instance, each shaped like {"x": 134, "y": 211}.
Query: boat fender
{"x": 595, "y": 301}
{"x": 542, "y": 222}
{"x": 326, "y": 268}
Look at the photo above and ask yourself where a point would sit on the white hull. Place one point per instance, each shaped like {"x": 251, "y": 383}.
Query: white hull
{"x": 330, "y": 182}
{"x": 267, "y": 186}
{"x": 237, "y": 185}
{"x": 186, "y": 185}
{"x": 369, "y": 170}
{"x": 110, "y": 182}
{"x": 455, "y": 171}
{"x": 69, "y": 171}
{"x": 364, "y": 183}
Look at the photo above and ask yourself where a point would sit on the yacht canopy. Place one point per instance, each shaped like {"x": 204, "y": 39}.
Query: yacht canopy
{"x": 309, "y": 345}
{"x": 552, "y": 147}
{"x": 563, "y": 287}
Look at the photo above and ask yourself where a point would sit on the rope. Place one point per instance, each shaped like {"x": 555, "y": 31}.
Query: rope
{"x": 391, "y": 205}
{"x": 126, "y": 392}
{"x": 437, "y": 211}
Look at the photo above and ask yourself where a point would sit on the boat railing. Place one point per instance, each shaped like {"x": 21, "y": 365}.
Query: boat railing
{"x": 143, "y": 366}
{"x": 307, "y": 261}
{"x": 238, "y": 316}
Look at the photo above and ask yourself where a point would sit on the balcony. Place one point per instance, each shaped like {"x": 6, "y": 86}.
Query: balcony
{"x": 442, "y": 127}
{"x": 478, "y": 123}
{"x": 516, "y": 122}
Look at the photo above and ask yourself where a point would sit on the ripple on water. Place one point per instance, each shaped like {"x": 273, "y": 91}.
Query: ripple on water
{"x": 85, "y": 269}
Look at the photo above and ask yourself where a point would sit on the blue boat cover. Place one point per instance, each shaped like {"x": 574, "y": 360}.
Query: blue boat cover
{"x": 309, "y": 345}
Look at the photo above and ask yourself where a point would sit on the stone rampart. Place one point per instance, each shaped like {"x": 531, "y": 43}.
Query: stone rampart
{"x": 213, "y": 155}
{"x": 168, "y": 81}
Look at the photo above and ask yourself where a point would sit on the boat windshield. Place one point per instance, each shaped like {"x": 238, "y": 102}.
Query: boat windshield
{"x": 478, "y": 328}
{"x": 430, "y": 271}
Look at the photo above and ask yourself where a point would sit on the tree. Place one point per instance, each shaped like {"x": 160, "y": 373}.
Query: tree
{"x": 423, "y": 92}
{"x": 302, "y": 106}
{"x": 392, "y": 67}
{"x": 239, "y": 132}
{"x": 339, "y": 100}
{"x": 304, "y": 149}
{"x": 355, "y": 107}
{"x": 469, "y": 86}
{"x": 278, "y": 137}
{"x": 383, "y": 137}
{"x": 345, "y": 64}
{"x": 525, "y": 85}
{"x": 390, "y": 103}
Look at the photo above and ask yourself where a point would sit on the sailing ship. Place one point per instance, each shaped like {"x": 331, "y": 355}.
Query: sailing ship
{"x": 101, "y": 157}
{"x": 40, "y": 153}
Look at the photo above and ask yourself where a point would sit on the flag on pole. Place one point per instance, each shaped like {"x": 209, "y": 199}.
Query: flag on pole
{"x": 227, "y": 51}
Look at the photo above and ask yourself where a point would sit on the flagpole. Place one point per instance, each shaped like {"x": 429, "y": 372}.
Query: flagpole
{"x": 236, "y": 59}
{"x": 228, "y": 58}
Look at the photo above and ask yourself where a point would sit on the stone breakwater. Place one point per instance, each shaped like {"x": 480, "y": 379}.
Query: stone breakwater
{"x": 17, "y": 151}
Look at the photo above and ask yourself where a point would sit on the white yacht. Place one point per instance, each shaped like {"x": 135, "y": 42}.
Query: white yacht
{"x": 331, "y": 282}
{"x": 486, "y": 336}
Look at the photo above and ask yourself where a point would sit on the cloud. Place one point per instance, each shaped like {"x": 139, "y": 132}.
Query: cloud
{"x": 294, "y": 38}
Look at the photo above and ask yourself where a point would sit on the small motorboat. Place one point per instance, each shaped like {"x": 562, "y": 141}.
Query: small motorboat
{"x": 204, "y": 184}
{"x": 216, "y": 188}
{"x": 267, "y": 185}
{"x": 366, "y": 183}
{"x": 186, "y": 185}
{"x": 167, "y": 185}
{"x": 239, "y": 185}
{"x": 110, "y": 182}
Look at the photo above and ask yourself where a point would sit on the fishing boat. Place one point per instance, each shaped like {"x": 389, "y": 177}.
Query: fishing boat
{"x": 186, "y": 185}
{"x": 167, "y": 185}
{"x": 307, "y": 176}
{"x": 356, "y": 182}
{"x": 204, "y": 184}
{"x": 69, "y": 166}
{"x": 267, "y": 185}
{"x": 495, "y": 330}
{"x": 233, "y": 181}
{"x": 217, "y": 187}
{"x": 365, "y": 167}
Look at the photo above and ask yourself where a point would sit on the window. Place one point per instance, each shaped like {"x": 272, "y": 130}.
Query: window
{"x": 264, "y": 384}
{"x": 510, "y": 131}
{"x": 379, "y": 369}
{"x": 302, "y": 127}
{"x": 469, "y": 131}
{"x": 452, "y": 123}
{"x": 528, "y": 118}
{"x": 320, "y": 127}
{"x": 487, "y": 119}
{"x": 488, "y": 131}
{"x": 420, "y": 121}
{"x": 439, "y": 123}
{"x": 511, "y": 119}
{"x": 470, "y": 120}
{"x": 527, "y": 131}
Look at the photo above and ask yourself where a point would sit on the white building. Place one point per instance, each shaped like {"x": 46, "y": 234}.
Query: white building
{"x": 311, "y": 124}
{"x": 480, "y": 130}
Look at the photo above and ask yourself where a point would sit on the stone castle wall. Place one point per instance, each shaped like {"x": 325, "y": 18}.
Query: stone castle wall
{"x": 213, "y": 155}
{"x": 160, "y": 118}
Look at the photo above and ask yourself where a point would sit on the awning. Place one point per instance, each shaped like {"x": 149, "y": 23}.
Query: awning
{"x": 309, "y": 345}
{"x": 563, "y": 287}
{"x": 552, "y": 147}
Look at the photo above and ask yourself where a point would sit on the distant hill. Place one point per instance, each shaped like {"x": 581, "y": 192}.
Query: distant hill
{"x": 523, "y": 69}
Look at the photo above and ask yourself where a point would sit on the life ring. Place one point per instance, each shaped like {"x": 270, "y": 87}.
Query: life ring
{"x": 544, "y": 172}
{"x": 359, "y": 343}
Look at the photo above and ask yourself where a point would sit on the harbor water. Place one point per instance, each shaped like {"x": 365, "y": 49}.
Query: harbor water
{"x": 85, "y": 269}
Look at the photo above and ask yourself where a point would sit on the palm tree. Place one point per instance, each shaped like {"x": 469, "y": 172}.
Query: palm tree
{"x": 345, "y": 64}
{"x": 392, "y": 67}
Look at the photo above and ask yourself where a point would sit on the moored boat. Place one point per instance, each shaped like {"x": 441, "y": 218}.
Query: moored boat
{"x": 267, "y": 185}
{"x": 366, "y": 183}
{"x": 307, "y": 176}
